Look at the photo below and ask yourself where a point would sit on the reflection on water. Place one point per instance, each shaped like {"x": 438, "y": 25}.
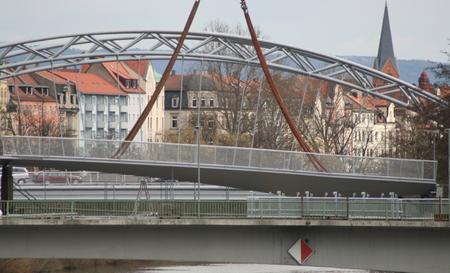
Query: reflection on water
{"x": 247, "y": 268}
{"x": 215, "y": 268}
{"x": 115, "y": 266}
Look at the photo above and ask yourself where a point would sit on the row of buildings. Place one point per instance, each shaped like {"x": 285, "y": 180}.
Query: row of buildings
{"x": 100, "y": 101}
{"x": 104, "y": 100}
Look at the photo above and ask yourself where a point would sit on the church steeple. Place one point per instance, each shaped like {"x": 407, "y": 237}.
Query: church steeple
{"x": 386, "y": 60}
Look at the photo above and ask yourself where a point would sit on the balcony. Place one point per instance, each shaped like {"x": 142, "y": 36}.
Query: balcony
{"x": 124, "y": 124}
{"x": 100, "y": 123}
{"x": 123, "y": 108}
{"x": 113, "y": 108}
{"x": 88, "y": 107}
{"x": 101, "y": 107}
{"x": 112, "y": 124}
{"x": 88, "y": 123}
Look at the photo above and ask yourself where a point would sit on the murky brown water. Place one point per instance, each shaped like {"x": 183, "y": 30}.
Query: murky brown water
{"x": 101, "y": 266}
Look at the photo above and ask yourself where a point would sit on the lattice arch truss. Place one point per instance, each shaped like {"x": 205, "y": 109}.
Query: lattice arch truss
{"x": 74, "y": 50}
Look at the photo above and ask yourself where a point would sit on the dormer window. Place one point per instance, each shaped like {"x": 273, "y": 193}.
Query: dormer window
{"x": 42, "y": 91}
{"x": 127, "y": 83}
{"x": 28, "y": 90}
{"x": 134, "y": 84}
{"x": 194, "y": 102}
{"x": 175, "y": 101}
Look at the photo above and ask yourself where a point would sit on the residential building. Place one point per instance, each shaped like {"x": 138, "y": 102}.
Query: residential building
{"x": 156, "y": 117}
{"x": 36, "y": 112}
{"x": 100, "y": 103}
{"x": 66, "y": 94}
{"x": 136, "y": 80}
{"x": 4, "y": 96}
{"x": 185, "y": 96}
{"x": 4, "y": 102}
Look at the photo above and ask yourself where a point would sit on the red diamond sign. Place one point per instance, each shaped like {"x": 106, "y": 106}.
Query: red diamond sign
{"x": 300, "y": 251}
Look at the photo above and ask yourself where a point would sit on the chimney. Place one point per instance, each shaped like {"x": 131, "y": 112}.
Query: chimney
{"x": 174, "y": 72}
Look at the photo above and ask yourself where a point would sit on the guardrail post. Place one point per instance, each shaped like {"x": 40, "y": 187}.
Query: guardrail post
{"x": 387, "y": 167}
{"x": 72, "y": 207}
{"x": 348, "y": 208}
{"x": 422, "y": 175}
{"x": 301, "y": 207}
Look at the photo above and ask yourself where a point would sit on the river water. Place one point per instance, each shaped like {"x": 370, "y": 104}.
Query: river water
{"x": 211, "y": 268}
{"x": 247, "y": 268}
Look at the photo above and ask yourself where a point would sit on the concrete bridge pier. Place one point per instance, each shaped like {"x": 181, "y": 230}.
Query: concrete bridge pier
{"x": 7, "y": 185}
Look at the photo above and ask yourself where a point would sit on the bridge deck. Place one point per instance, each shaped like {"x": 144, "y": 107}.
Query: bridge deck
{"x": 244, "y": 168}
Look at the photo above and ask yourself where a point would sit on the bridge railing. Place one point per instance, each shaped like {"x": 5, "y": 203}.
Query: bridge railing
{"x": 262, "y": 207}
{"x": 347, "y": 208}
{"x": 233, "y": 157}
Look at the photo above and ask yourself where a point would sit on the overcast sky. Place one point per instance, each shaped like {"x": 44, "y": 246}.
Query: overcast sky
{"x": 421, "y": 28}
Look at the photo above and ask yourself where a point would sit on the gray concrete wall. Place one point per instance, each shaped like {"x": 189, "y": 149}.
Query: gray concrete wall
{"x": 407, "y": 249}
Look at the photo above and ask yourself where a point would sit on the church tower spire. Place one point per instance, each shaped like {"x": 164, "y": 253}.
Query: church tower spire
{"x": 386, "y": 61}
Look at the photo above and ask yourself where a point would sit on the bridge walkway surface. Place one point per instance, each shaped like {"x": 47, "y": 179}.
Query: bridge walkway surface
{"x": 243, "y": 168}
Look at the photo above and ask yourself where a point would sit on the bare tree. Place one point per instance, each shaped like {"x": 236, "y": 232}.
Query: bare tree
{"x": 235, "y": 85}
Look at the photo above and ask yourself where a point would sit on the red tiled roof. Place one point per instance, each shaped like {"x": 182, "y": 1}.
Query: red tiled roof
{"x": 85, "y": 68}
{"x": 26, "y": 80}
{"x": 118, "y": 68}
{"x": 173, "y": 83}
{"x": 52, "y": 77}
{"x": 121, "y": 69}
{"x": 140, "y": 66}
{"x": 360, "y": 102}
{"x": 89, "y": 83}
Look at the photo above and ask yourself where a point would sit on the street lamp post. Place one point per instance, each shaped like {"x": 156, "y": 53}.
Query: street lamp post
{"x": 448, "y": 159}
{"x": 197, "y": 188}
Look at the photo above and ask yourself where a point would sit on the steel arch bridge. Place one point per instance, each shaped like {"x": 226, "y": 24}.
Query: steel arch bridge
{"x": 73, "y": 50}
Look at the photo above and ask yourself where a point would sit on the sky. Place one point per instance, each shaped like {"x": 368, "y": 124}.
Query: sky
{"x": 420, "y": 28}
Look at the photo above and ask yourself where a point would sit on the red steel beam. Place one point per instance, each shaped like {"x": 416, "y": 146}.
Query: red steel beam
{"x": 276, "y": 93}
{"x": 137, "y": 126}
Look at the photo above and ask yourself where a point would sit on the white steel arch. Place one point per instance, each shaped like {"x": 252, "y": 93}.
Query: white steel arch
{"x": 73, "y": 50}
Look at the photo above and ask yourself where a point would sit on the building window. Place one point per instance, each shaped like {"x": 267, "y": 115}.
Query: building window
{"x": 100, "y": 134}
{"x": 112, "y": 101}
{"x": 174, "y": 122}
{"x": 111, "y": 117}
{"x": 123, "y": 117}
{"x": 123, "y": 101}
{"x": 175, "y": 101}
{"x": 211, "y": 123}
{"x": 194, "y": 102}
{"x": 203, "y": 102}
{"x": 211, "y": 102}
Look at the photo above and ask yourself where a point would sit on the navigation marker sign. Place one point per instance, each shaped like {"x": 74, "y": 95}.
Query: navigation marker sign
{"x": 300, "y": 251}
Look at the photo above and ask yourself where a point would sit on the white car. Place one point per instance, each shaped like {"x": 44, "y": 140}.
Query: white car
{"x": 20, "y": 175}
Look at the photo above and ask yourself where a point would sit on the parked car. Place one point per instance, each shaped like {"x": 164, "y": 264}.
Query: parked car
{"x": 57, "y": 177}
{"x": 20, "y": 175}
